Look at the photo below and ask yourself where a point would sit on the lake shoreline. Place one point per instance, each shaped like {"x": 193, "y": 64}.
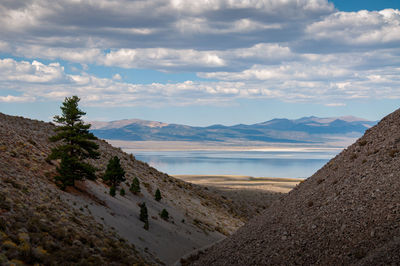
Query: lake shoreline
{"x": 257, "y": 159}
{"x": 242, "y": 182}
{"x": 132, "y": 146}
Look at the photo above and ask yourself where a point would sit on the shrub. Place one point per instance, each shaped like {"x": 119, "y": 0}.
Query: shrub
{"x": 112, "y": 191}
{"x": 157, "y": 195}
{"x": 362, "y": 142}
{"x": 393, "y": 152}
{"x": 135, "y": 187}
{"x": 144, "y": 217}
{"x": 122, "y": 192}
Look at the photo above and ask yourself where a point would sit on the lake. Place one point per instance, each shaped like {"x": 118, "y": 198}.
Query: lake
{"x": 252, "y": 163}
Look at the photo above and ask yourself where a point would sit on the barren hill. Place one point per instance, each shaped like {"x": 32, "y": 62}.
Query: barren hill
{"x": 346, "y": 213}
{"x": 85, "y": 226}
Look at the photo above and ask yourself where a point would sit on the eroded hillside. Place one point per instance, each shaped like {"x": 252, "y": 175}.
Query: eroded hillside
{"x": 40, "y": 223}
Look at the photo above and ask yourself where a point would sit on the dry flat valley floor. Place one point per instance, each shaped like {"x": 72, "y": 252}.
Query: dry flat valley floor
{"x": 246, "y": 183}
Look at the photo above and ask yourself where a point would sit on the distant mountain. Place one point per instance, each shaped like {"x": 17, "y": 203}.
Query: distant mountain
{"x": 304, "y": 130}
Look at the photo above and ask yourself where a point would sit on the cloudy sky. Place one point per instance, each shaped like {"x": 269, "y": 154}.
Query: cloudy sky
{"x": 200, "y": 62}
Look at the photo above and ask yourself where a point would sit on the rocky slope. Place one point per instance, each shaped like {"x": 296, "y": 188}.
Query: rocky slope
{"x": 85, "y": 226}
{"x": 346, "y": 213}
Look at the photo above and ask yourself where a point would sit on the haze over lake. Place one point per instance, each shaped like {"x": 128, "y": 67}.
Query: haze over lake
{"x": 293, "y": 164}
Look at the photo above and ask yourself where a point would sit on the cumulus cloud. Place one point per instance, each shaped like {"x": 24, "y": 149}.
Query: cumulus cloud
{"x": 161, "y": 58}
{"x": 78, "y": 55}
{"x": 35, "y": 72}
{"x": 152, "y": 24}
{"x": 349, "y": 31}
{"x": 293, "y": 50}
{"x": 257, "y": 83}
{"x": 14, "y": 99}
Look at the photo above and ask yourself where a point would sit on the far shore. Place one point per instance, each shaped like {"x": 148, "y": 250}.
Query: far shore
{"x": 238, "y": 182}
{"x": 132, "y": 146}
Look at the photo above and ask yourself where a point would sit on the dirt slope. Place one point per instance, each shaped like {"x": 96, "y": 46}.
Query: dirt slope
{"x": 346, "y": 213}
{"x": 40, "y": 223}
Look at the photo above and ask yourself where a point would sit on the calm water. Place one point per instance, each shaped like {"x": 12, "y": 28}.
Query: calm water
{"x": 252, "y": 163}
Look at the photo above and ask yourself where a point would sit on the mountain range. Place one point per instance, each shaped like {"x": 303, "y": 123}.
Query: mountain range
{"x": 304, "y": 130}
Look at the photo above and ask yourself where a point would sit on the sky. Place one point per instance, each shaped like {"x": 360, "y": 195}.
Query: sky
{"x": 200, "y": 62}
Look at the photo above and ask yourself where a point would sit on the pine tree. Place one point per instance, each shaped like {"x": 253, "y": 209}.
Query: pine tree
{"x": 76, "y": 145}
{"x": 157, "y": 195}
{"x": 114, "y": 174}
{"x": 144, "y": 215}
{"x": 135, "y": 187}
{"x": 164, "y": 214}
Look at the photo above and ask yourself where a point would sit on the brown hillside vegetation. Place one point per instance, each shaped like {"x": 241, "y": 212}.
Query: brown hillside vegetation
{"x": 346, "y": 213}
{"x": 39, "y": 223}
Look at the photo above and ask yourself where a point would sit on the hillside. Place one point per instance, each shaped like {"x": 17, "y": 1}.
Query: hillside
{"x": 303, "y": 130}
{"x": 346, "y": 213}
{"x": 85, "y": 226}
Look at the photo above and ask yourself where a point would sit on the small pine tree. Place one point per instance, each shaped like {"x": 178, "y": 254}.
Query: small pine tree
{"x": 157, "y": 195}
{"x": 122, "y": 192}
{"x": 76, "y": 146}
{"x": 114, "y": 174}
{"x": 112, "y": 191}
{"x": 144, "y": 215}
{"x": 164, "y": 214}
{"x": 135, "y": 187}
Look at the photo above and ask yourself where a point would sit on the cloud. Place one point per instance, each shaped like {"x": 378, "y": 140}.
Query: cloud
{"x": 335, "y": 104}
{"x": 14, "y": 99}
{"x": 77, "y": 55}
{"x": 154, "y": 24}
{"x": 166, "y": 59}
{"x": 161, "y": 58}
{"x": 256, "y": 83}
{"x": 292, "y": 50}
{"x": 117, "y": 77}
{"x": 350, "y": 31}
{"x": 35, "y": 72}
